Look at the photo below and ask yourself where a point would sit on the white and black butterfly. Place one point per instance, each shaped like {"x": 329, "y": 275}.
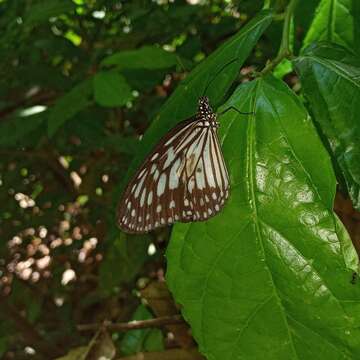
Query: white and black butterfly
{"x": 183, "y": 179}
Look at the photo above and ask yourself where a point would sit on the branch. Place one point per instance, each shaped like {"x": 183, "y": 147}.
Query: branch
{"x": 133, "y": 325}
{"x": 284, "y": 50}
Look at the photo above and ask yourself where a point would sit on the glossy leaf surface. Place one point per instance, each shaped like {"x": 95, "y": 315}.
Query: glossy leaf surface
{"x": 331, "y": 81}
{"x": 269, "y": 277}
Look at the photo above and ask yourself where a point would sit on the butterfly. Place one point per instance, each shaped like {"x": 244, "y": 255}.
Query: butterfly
{"x": 184, "y": 178}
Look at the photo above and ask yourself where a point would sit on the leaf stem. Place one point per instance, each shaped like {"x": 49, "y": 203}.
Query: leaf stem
{"x": 284, "y": 50}
{"x": 133, "y": 325}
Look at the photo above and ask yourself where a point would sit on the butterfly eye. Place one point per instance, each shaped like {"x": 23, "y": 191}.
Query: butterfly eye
{"x": 183, "y": 179}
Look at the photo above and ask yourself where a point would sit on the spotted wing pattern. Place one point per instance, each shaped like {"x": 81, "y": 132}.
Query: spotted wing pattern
{"x": 183, "y": 179}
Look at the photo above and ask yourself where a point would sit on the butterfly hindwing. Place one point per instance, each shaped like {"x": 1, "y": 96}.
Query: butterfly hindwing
{"x": 183, "y": 179}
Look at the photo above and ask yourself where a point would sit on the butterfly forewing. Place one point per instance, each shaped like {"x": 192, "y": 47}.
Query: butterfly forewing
{"x": 183, "y": 179}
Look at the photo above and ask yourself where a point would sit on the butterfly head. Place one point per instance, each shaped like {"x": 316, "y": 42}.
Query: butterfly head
{"x": 205, "y": 111}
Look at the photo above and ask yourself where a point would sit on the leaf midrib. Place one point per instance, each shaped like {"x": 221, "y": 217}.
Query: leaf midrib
{"x": 253, "y": 205}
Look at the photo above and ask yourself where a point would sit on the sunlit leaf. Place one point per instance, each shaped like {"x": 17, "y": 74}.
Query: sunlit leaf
{"x": 269, "y": 277}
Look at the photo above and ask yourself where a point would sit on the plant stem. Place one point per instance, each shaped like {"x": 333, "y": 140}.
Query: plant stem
{"x": 133, "y": 325}
{"x": 284, "y": 50}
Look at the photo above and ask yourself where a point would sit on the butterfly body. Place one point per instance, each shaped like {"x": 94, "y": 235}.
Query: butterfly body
{"x": 183, "y": 179}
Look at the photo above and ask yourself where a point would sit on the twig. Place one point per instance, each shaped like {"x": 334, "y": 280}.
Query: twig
{"x": 284, "y": 50}
{"x": 133, "y": 325}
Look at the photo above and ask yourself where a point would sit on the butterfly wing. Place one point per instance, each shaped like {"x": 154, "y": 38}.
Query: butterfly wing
{"x": 183, "y": 179}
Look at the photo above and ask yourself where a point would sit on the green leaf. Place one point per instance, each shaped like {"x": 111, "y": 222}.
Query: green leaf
{"x": 142, "y": 339}
{"x": 269, "y": 277}
{"x": 213, "y": 77}
{"x": 330, "y": 77}
{"x": 284, "y": 68}
{"x": 123, "y": 260}
{"x": 335, "y": 21}
{"x": 147, "y": 57}
{"x": 111, "y": 89}
{"x": 46, "y": 9}
{"x": 78, "y": 98}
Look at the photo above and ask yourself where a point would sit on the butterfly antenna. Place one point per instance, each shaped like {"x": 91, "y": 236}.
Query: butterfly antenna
{"x": 234, "y": 108}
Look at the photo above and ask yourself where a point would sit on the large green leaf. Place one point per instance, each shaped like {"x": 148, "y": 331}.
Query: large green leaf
{"x": 336, "y": 21}
{"x": 269, "y": 277}
{"x": 212, "y": 77}
{"x": 331, "y": 81}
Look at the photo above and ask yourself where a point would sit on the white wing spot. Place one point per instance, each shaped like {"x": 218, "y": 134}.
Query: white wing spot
{"x": 176, "y": 217}
{"x": 201, "y": 202}
{"x": 153, "y": 168}
{"x": 217, "y": 207}
{"x": 172, "y": 204}
{"x": 154, "y": 156}
{"x": 170, "y": 157}
{"x": 174, "y": 176}
{"x": 133, "y": 212}
{"x": 140, "y": 218}
{"x": 214, "y": 196}
{"x": 186, "y": 202}
{"x": 147, "y": 216}
{"x": 209, "y": 211}
{"x": 207, "y": 198}
{"x": 191, "y": 184}
{"x": 162, "y": 220}
{"x": 137, "y": 191}
{"x": 149, "y": 199}
{"x": 161, "y": 185}
{"x": 142, "y": 199}
{"x": 156, "y": 175}
{"x": 205, "y": 214}
{"x": 129, "y": 205}
{"x": 158, "y": 209}
{"x": 170, "y": 220}
{"x": 156, "y": 223}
